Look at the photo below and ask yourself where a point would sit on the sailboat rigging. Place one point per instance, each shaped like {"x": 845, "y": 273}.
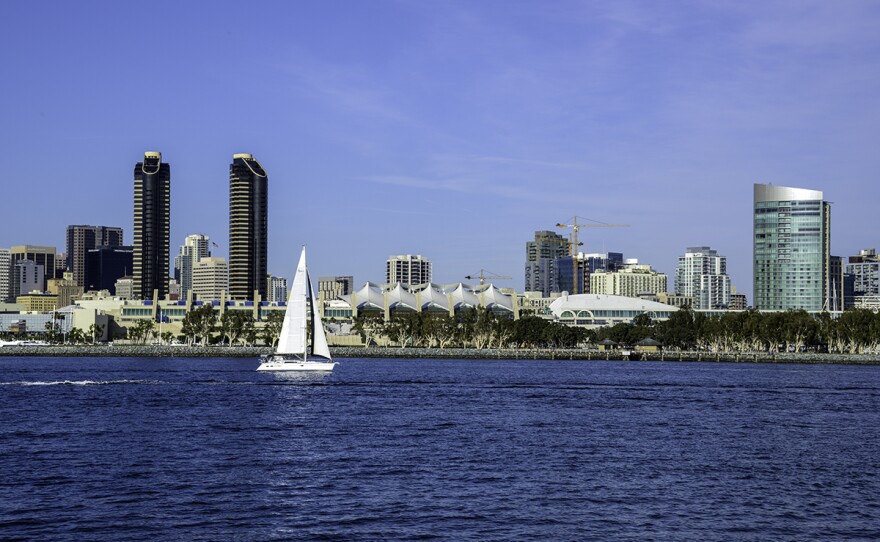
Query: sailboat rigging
{"x": 301, "y": 322}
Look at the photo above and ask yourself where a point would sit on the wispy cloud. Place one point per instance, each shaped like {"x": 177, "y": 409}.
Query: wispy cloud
{"x": 347, "y": 87}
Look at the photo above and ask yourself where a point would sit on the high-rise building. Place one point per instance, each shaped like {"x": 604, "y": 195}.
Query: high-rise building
{"x": 541, "y": 257}
{"x": 792, "y": 249}
{"x": 40, "y": 255}
{"x": 210, "y": 278}
{"x": 105, "y": 265}
{"x": 152, "y": 226}
{"x": 194, "y": 248}
{"x": 837, "y": 282}
{"x": 606, "y": 261}
{"x": 702, "y": 275}
{"x": 248, "y": 228}
{"x": 333, "y": 287}
{"x": 5, "y": 275}
{"x": 738, "y": 302}
{"x": 565, "y": 270}
{"x": 408, "y": 269}
{"x": 586, "y": 264}
{"x": 277, "y": 289}
{"x": 27, "y": 277}
{"x": 865, "y": 272}
{"x": 60, "y": 265}
{"x": 82, "y": 239}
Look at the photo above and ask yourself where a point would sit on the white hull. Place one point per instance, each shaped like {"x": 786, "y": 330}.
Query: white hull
{"x": 296, "y": 365}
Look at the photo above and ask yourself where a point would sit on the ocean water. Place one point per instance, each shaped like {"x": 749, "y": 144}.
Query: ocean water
{"x": 208, "y": 449}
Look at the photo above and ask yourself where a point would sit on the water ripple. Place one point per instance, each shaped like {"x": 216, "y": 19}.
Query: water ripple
{"x": 437, "y": 450}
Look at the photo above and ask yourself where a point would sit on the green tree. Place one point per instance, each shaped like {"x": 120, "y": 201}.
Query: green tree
{"x": 800, "y": 329}
{"x": 233, "y": 324}
{"x": 371, "y": 326}
{"x": 272, "y": 328}
{"x": 249, "y": 331}
{"x": 405, "y": 329}
{"x": 678, "y": 331}
{"x": 53, "y": 334}
{"x": 75, "y": 336}
{"x": 141, "y": 331}
{"x": 95, "y": 330}
{"x": 199, "y": 324}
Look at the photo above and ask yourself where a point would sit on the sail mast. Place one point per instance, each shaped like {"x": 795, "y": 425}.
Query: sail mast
{"x": 305, "y": 327}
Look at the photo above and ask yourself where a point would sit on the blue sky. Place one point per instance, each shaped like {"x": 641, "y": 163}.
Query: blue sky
{"x": 448, "y": 129}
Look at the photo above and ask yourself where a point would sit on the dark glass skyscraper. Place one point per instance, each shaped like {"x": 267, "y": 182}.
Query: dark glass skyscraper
{"x": 82, "y": 239}
{"x": 248, "y": 228}
{"x": 152, "y": 225}
{"x": 105, "y": 265}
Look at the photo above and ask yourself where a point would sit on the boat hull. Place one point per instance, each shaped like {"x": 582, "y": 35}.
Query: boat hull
{"x": 296, "y": 365}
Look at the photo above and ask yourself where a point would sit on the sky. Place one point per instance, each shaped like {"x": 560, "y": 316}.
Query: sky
{"x": 449, "y": 129}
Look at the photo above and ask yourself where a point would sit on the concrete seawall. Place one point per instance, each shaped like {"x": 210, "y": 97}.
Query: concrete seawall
{"x": 438, "y": 353}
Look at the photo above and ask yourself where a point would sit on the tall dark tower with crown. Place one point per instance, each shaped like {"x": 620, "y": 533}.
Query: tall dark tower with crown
{"x": 152, "y": 226}
{"x": 248, "y": 228}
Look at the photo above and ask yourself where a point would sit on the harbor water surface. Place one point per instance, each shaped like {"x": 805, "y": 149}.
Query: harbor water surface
{"x": 208, "y": 449}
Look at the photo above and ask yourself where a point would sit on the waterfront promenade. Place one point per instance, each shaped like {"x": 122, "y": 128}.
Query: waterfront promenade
{"x": 439, "y": 353}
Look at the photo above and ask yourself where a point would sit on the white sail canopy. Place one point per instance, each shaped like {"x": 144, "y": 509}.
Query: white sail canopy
{"x": 319, "y": 339}
{"x": 293, "y": 331}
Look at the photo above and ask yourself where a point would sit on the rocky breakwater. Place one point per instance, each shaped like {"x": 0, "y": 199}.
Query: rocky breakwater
{"x": 440, "y": 353}
{"x": 610, "y": 355}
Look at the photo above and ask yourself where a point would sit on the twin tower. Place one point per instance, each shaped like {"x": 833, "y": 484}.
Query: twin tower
{"x": 248, "y": 227}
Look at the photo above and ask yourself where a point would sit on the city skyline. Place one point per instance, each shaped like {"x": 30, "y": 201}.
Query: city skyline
{"x": 395, "y": 138}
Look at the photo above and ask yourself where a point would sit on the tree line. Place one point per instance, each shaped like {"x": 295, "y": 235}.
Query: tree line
{"x": 203, "y": 326}
{"x": 856, "y": 331}
{"x": 473, "y": 328}
{"x": 75, "y": 335}
{"x": 200, "y": 326}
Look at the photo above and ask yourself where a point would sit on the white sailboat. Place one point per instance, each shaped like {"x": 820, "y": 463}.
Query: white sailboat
{"x": 292, "y": 353}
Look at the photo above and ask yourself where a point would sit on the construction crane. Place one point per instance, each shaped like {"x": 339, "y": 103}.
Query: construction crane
{"x": 575, "y": 226}
{"x": 483, "y": 276}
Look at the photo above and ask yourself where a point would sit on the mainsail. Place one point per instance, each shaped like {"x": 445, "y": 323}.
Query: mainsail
{"x": 293, "y": 331}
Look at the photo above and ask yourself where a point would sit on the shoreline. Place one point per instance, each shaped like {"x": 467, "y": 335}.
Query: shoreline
{"x": 438, "y": 353}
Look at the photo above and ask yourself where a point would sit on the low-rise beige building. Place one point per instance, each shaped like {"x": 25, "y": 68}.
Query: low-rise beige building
{"x": 125, "y": 288}
{"x": 65, "y": 288}
{"x": 630, "y": 281}
{"x": 38, "y": 302}
{"x": 675, "y": 300}
{"x": 535, "y": 303}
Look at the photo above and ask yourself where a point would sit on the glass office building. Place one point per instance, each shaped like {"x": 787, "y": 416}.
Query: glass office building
{"x": 792, "y": 246}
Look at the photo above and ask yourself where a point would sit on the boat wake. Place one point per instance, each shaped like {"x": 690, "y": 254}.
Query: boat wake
{"x": 81, "y": 382}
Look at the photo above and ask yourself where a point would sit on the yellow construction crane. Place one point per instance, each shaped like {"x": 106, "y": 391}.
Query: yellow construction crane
{"x": 483, "y": 276}
{"x": 575, "y": 226}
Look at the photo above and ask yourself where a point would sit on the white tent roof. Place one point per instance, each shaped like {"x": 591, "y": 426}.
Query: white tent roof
{"x": 493, "y": 298}
{"x": 464, "y": 297}
{"x": 431, "y": 297}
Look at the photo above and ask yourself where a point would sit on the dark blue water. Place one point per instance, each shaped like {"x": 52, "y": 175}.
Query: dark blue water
{"x": 209, "y": 449}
